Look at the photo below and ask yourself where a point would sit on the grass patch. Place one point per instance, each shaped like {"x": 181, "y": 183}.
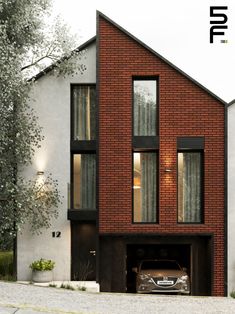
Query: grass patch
{"x": 67, "y": 286}
{"x": 6, "y": 265}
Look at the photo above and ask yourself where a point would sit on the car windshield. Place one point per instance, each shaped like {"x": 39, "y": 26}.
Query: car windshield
{"x": 160, "y": 265}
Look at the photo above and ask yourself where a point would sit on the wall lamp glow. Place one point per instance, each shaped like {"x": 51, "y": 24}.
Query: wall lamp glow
{"x": 168, "y": 170}
{"x": 40, "y": 173}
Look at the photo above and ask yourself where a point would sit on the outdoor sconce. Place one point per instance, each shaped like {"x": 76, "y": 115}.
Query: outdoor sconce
{"x": 40, "y": 173}
{"x": 168, "y": 170}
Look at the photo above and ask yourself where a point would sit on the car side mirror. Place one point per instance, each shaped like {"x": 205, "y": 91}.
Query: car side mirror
{"x": 134, "y": 269}
{"x": 184, "y": 269}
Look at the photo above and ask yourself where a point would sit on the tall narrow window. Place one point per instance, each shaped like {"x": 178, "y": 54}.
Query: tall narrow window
{"x": 84, "y": 181}
{"x": 145, "y": 107}
{"x": 84, "y": 100}
{"x": 145, "y": 187}
{"x": 189, "y": 187}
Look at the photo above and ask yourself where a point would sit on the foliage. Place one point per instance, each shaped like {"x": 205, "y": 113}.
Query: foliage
{"x": 67, "y": 286}
{"x": 232, "y": 294}
{"x": 27, "y": 44}
{"x": 52, "y": 285}
{"x": 42, "y": 265}
{"x": 6, "y": 265}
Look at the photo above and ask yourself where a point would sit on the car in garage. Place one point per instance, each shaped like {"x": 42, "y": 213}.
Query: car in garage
{"x": 163, "y": 276}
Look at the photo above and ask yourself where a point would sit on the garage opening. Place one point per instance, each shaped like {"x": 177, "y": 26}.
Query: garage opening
{"x": 138, "y": 252}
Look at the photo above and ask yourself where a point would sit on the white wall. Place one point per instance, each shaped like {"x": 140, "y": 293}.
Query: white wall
{"x": 231, "y": 198}
{"x": 51, "y": 96}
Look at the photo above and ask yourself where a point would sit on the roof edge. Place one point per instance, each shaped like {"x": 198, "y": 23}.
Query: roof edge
{"x": 100, "y": 14}
{"x": 231, "y": 103}
{"x": 54, "y": 64}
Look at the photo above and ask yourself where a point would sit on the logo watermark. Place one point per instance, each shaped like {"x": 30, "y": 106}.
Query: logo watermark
{"x": 219, "y": 20}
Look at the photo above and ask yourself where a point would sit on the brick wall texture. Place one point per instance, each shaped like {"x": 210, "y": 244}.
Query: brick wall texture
{"x": 184, "y": 110}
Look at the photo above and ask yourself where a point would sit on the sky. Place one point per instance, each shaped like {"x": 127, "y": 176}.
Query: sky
{"x": 177, "y": 29}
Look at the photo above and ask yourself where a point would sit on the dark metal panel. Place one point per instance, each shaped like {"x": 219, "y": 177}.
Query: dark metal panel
{"x": 190, "y": 142}
{"x": 81, "y": 146}
{"x": 82, "y": 215}
{"x": 145, "y": 142}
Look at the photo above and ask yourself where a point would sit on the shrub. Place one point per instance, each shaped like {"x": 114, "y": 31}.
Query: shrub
{"x": 67, "y": 286}
{"x": 232, "y": 294}
{"x": 6, "y": 265}
{"x": 42, "y": 264}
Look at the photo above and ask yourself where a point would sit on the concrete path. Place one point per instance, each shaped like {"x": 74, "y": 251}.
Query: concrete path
{"x": 29, "y": 299}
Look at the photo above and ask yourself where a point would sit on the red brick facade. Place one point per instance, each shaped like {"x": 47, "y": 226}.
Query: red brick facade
{"x": 185, "y": 109}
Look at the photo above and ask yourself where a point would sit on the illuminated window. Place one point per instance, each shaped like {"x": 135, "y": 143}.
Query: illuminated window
{"x": 145, "y": 187}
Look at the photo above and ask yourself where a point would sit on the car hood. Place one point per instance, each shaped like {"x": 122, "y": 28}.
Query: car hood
{"x": 163, "y": 272}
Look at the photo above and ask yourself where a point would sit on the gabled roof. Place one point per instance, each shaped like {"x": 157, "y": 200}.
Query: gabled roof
{"x": 231, "y": 103}
{"x": 100, "y": 14}
{"x": 53, "y": 65}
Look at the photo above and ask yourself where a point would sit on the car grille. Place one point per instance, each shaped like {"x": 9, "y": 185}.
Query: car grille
{"x": 156, "y": 279}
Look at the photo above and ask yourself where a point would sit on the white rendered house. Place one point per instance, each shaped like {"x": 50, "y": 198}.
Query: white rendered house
{"x": 51, "y": 100}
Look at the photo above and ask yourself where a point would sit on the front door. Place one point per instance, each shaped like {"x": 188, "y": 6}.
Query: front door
{"x": 83, "y": 251}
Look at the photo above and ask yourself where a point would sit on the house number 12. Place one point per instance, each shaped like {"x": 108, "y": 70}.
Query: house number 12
{"x": 56, "y": 234}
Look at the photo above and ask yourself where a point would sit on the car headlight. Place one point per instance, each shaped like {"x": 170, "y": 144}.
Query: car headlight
{"x": 144, "y": 276}
{"x": 184, "y": 278}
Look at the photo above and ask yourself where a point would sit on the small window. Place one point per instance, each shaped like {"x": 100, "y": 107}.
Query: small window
{"x": 84, "y": 112}
{"x": 145, "y": 107}
{"x": 190, "y": 187}
{"x": 84, "y": 181}
{"x": 145, "y": 187}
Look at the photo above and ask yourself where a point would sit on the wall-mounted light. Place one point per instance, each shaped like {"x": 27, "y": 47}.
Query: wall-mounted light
{"x": 40, "y": 173}
{"x": 168, "y": 170}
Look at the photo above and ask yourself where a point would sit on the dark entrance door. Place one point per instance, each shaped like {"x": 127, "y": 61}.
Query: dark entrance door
{"x": 83, "y": 242}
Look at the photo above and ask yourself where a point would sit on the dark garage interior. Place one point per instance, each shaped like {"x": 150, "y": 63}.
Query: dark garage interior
{"x": 138, "y": 252}
{"x": 119, "y": 254}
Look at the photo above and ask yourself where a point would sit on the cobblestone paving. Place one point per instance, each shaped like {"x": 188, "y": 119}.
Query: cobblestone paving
{"x": 29, "y": 299}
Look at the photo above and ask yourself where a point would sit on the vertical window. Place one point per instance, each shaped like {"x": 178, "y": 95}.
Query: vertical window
{"x": 145, "y": 186}
{"x": 84, "y": 181}
{"x": 145, "y": 107}
{"x": 84, "y": 100}
{"x": 189, "y": 187}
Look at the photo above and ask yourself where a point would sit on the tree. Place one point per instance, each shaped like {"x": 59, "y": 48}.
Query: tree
{"x": 24, "y": 47}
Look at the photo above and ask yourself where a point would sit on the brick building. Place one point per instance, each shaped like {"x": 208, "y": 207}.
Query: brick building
{"x": 146, "y": 145}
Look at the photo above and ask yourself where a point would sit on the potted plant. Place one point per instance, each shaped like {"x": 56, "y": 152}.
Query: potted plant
{"x": 42, "y": 270}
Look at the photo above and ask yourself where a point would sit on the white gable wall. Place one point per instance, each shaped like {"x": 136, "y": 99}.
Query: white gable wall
{"x": 51, "y": 96}
{"x": 231, "y": 198}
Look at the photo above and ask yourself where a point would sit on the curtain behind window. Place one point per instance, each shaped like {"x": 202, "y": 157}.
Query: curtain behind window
{"x": 84, "y": 98}
{"x": 145, "y": 108}
{"x": 88, "y": 181}
{"x": 148, "y": 186}
{"x": 190, "y": 193}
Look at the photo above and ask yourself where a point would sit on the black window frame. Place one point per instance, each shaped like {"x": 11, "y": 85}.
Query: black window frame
{"x": 202, "y": 209}
{"x": 80, "y": 144}
{"x": 82, "y": 147}
{"x": 157, "y": 186}
{"x": 72, "y": 180}
{"x": 146, "y": 142}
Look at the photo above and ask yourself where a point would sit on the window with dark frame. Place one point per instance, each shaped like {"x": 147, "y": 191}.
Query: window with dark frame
{"x": 84, "y": 181}
{"x": 145, "y": 107}
{"x": 145, "y": 187}
{"x": 84, "y": 112}
{"x": 190, "y": 173}
{"x": 145, "y": 166}
{"x": 83, "y": 147}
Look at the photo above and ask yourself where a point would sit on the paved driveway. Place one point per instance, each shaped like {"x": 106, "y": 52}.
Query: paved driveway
{"x": 29, "y": 299}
